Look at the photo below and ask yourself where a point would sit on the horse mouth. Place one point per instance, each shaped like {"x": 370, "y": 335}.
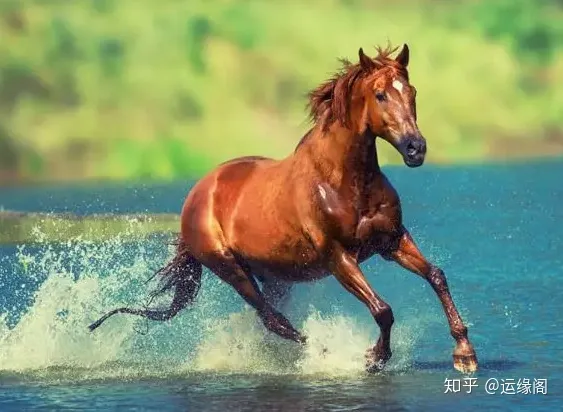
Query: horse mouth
{"x": 415, "y": 160}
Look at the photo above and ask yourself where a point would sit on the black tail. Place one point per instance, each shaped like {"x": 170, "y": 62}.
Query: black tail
{"x": 183, "y": 274}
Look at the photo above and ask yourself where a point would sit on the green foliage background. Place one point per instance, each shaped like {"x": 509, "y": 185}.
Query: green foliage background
{"x": 162, "y": 89}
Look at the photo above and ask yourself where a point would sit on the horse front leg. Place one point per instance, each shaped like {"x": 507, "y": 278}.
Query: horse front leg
{"x": 409, "y": 256}
{"x": 346, "y": 269}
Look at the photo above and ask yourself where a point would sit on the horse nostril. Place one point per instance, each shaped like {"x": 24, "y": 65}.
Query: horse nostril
{"x": 415, "y": 147}
{"x": 411, "y": 149}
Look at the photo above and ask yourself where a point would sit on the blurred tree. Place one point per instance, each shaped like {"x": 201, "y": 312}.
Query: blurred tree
{"x": 143, "y": 88}
{"x": 18, "y": 80}
{"x": 62, "y": 46}
{"x": 199, "y": 30}
{"x": 111, "y": 52}
{"x": 9, "y": 154}
{"x": 525, "y": 24}
{"x": 103, "y": 6}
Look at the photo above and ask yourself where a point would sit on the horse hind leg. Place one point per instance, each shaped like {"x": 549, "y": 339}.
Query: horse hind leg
{"x": 183, "y": 274}
{"x": 276, "y": 292}
{"x": 229, "y": 270}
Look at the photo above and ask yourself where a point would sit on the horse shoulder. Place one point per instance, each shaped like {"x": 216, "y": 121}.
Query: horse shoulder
{"x": 333, "y": 216}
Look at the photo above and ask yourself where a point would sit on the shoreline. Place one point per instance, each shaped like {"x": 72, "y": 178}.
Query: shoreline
{"x": 534, "y": 152}
{"x": 36, "y": 227}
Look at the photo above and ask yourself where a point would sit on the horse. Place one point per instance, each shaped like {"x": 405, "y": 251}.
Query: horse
{"x": 320, "y": 211}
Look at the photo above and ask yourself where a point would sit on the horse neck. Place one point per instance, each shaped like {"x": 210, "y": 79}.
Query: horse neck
{"x": 343, "y": 157}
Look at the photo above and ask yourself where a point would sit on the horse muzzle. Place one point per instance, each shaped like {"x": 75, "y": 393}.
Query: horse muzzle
{"x": 413, "y": 149}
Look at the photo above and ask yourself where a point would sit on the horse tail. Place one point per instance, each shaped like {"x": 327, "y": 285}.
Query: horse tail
{"x": 183, "y": 274}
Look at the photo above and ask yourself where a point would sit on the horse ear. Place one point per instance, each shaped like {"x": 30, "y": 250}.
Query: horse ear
{"x": 403, "y": 57}
{"x": 365, "y": 61}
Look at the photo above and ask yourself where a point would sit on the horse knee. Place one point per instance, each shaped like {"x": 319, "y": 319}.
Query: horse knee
{"x": 437, "y": 279}
{"x": 384, "y": 316}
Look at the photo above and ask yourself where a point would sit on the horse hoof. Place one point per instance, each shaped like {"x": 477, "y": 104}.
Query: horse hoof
{"x": 375, "y": 361}
{"x": 465, "y": 363}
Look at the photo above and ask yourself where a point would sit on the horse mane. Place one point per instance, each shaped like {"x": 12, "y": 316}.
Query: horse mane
{"x": 330, "y": 101}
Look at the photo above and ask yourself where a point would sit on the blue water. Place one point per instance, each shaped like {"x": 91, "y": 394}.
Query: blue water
{"x": 497, "y": 231}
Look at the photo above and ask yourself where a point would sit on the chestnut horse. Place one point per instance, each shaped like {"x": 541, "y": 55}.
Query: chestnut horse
{"x": 322, "y": 210}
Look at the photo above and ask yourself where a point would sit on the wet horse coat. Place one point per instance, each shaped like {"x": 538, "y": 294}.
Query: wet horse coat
{"x": 320, "y": 211}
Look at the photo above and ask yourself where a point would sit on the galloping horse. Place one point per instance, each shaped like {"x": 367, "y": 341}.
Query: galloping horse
{"x": 322, "y": 210}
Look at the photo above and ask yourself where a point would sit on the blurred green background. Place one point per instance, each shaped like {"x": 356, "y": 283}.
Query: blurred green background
{"x": 137, "y": 89}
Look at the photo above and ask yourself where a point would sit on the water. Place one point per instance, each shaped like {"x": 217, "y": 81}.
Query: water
{"x": 496, "y": 231}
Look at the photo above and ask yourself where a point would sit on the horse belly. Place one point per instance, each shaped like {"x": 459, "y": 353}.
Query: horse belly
{"x": 289, "y": 273}
{"x": 275, "y": 250}
{"x": 285, "y": 250}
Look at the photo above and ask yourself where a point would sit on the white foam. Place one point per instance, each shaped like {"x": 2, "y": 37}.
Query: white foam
{"x": 206, "y": 338}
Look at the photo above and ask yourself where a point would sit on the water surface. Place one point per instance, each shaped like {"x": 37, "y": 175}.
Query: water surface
{"x": 496, "y": 231}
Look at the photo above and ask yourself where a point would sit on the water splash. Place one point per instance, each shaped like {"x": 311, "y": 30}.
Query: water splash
{"x": 76, "y": 282}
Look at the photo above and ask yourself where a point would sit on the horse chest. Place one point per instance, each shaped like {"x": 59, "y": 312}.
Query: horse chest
{"x": 373, "y": 219}
{"x": 378, "y": 232}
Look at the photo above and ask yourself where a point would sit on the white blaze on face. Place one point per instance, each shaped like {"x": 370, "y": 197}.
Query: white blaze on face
{"x": 398, "y": 85}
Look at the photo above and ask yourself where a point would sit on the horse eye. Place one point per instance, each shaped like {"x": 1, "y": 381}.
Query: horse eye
{"x": 380, "y": 96}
